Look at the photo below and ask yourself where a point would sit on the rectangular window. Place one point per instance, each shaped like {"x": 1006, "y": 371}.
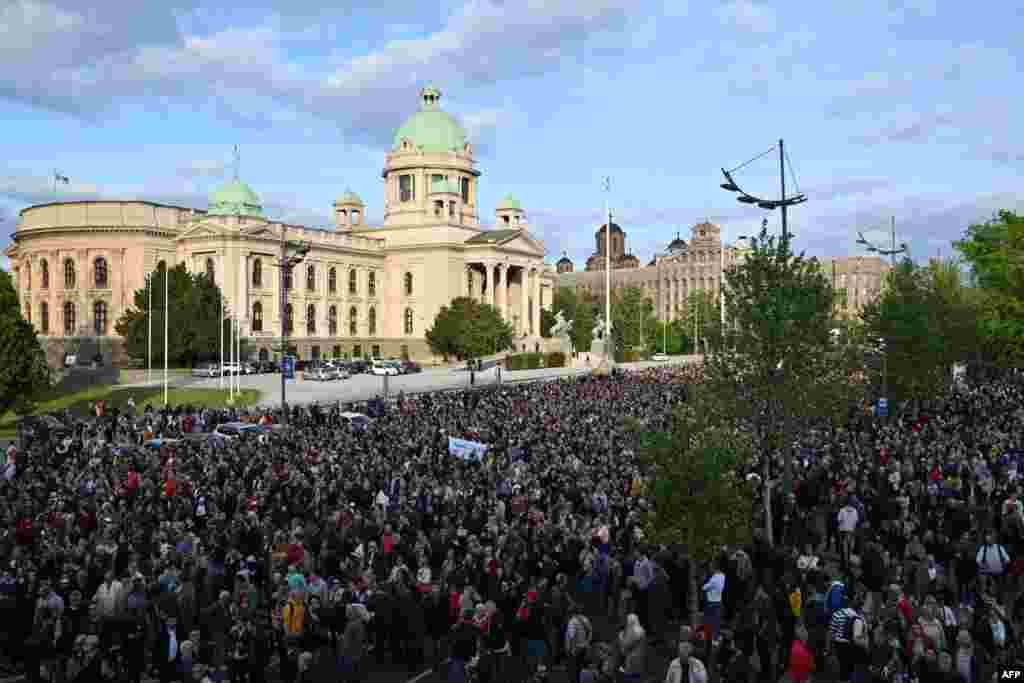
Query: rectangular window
{"x": 435, "y": 181}
{"x": 357, "y": 351}
{"x": 451, "y": 209}
{"x": 315, "y": 352}
{"x": 406, "y": 188}
{"x": 376, "y": 351}
{"x": 438, "y": 208}
{"x": 465, "y": 191}
{"x": 336, "y": 352}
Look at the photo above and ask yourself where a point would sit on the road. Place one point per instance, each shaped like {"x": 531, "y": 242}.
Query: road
{"x": 364, "y": 387}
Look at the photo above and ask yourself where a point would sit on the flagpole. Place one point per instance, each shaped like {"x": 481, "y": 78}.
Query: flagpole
{"x": 231, "y": 378}
{"x": 220, "y": 369}
{"x": 167, "y": 315}
{"x": 149, "y": 333}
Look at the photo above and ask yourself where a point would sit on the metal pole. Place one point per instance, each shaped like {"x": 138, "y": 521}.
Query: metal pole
{"x": 149, "y": 334}
{"x": 608, "y": 273}
{"x": 220, "y": 332}
{"x": 284, "y": 329}
{"x": 721, "y": 285}
{"x": 234, "y": 369}
{"x": 167, "y": 315}
{"x": 782, "y": 180}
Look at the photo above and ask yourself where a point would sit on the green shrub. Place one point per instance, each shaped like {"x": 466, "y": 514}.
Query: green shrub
{"x": 555, "y": 359}
{"x": 514, "y": 362}
{"x": 534, "y": 361}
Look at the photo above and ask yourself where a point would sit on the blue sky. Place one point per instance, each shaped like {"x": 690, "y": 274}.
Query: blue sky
{"x": 887, "y": 108}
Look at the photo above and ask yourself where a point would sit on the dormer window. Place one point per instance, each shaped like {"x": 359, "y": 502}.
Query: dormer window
{"x": 505, "y": 218}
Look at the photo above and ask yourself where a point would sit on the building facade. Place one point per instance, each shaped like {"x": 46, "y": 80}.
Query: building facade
{"x": 361, "y": 290}
{"x": 697, "y": 265}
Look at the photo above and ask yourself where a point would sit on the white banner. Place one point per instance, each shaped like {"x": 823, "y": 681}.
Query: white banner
{"x": 471, "y": 451}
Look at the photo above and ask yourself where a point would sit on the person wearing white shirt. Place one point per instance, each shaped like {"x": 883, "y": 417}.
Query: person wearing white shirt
{"x": 847, "y": 520}
{"x": 686, "y": 668}
{"x": 108, "y": 595}
{"x": 713, "y": 589}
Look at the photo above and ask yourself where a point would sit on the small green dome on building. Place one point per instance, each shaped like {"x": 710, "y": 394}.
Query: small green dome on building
{"x": 510, "y": 202}
{"x": 348, "y": 197}
{"x": 235, "y": 199}
{"x": 431, "y": 129}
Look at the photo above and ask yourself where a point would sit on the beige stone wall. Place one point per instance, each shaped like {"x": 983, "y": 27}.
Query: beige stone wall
{"x": 859, "y": 279}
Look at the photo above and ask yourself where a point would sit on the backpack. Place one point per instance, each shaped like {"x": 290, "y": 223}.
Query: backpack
{"x": 835, "y": 599}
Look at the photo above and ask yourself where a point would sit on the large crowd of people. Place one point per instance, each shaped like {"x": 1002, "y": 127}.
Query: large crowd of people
{"x": 138, "y": 546}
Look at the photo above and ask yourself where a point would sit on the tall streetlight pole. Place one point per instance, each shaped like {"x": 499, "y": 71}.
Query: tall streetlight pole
{"x": 149, "y": 334}
{"x": 783, "y": 202}
{"x": 167, "y": 315}
{"x": 891, "y": 252}
{"x": 285, "y": 264}
{"x": 608, "y": 272}
{"x": 220, "y": 332}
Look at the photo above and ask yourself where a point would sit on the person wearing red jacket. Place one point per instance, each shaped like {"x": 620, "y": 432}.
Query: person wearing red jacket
{"x": 801, "y": 659}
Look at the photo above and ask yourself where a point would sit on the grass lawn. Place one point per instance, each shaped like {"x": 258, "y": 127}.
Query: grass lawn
{"x": 117, "y": 397}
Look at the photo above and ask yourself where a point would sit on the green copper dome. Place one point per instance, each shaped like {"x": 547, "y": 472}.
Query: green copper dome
{"x": 510, "y": 202}
{"x": 235, "y": 199}
{"x": 348, "y": 197}
{"x": 431, "y": 129}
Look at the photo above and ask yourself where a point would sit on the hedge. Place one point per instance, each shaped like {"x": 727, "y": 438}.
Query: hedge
{"x": 525, "y": 361}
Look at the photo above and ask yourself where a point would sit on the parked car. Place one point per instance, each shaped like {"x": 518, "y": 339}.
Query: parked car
{"x": 267, "y": 366}
{"x": 232, "y": 369}
{"x": 407, "y": 367}
{"x": 384, "y": 367}
{"x": 358, "y": 367}
{"x": 659, "y": 357}
{"x": 208, "y": 370}
{"x": 339, "y": 368}
{"x": 249, "y": 368}
{"x": 323, "y": 373}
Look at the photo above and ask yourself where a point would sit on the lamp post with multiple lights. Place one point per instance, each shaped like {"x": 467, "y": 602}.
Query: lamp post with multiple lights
{"x": 892, "y": 252}
{"x": 783, "y": 202}
{"x": 286, "y": 263}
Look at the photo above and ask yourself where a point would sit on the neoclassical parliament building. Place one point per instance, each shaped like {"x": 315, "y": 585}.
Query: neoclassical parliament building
{"x": 361, "y": 290}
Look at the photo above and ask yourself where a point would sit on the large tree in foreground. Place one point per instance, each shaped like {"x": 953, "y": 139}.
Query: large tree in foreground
{"x": 776, "y": 369}
{"x": 24, "y": 375}
{"x": 634, "y": 324}
{"x": 468, "y": 329}
{"x": 194, "y": 302}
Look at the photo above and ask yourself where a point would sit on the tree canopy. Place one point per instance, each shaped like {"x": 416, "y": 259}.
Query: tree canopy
{"x": 634, "y": 324}
{"x": 468, "y": 329}
{"x": 195, "y": 309}
{"x": 994, "y": 252}
{"x": 24, "y": 374}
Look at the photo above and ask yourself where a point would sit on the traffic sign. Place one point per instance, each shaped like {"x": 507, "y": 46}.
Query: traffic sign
{"x": 288, "y": 367}
{"x": 883, "y": 407}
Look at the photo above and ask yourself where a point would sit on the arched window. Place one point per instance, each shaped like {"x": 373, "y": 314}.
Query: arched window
{"x": 69, "y": 274}
{"x": 69, "y": 319}
{"x": 332, "y": 321}
{"x": 332, "y": 280}
{"x": 257, "y": 273}
{"x": 352, "y": 281}
{"x": 210, "y": 272}
{"x": 408, "y": 283}
{"x": 371, "y": 320}
{"x": 99, "y": 268}
{"x": 408, "y": 321}
{"x": 311, "y": 278}
{"x": 99, "y": 318}
{"x": 287, "y": 279}
{"x": 44, "y": 318}
{"x": 44, "y": 274}
{"x": 257, "y": 316}
{"x": 289, "y": 318}
{"x": 371, "y": 284}
{"x": 353, "y": 321}
{"x": 311, "y": 319}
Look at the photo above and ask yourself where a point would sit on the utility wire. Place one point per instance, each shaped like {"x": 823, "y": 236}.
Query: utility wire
{"x": 792, "y": 173}
{"x": 747, "y": 163}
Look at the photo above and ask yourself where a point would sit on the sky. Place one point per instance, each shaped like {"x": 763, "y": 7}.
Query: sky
{"x": 888, "y": 108}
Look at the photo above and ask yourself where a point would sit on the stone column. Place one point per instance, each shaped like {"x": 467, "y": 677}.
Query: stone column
{"x": 502, "y": 290}
{"x": 536, "y": 303}
{"x": 493, "y": 293}
{"x": 467, "y": 291}
{"x": 484, "y": 284}
{"x": 524, "y": 303}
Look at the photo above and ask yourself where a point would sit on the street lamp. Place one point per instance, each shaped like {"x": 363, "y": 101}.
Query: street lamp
{"x": 286, "y": 263}
{"x": 783, "y": 202}
{"x": 891, "y": 252}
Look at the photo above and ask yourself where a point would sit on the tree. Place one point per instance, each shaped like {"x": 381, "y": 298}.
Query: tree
{"x": 776, "y": 369}
{"x": 701, "y": 319}
{"x": 565, "y": 301}
{"x": 633, "y": 320}
{"x": 24, "y": 375}
{"x": 468, "y": 329}
{"x": 699, "y": 500}
{"x": 994, "y": 251}
{"x": 547, "y": 321}
{"x": 581, "y": 333}
{"x": 924, "y": 324}
{"x": 195, "y": 309}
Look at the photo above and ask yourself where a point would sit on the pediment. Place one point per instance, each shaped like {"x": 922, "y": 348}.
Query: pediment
{"x": 262, "y": 232}
{"x": 204, "y": 230}
{"x": 523, "y": 242}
